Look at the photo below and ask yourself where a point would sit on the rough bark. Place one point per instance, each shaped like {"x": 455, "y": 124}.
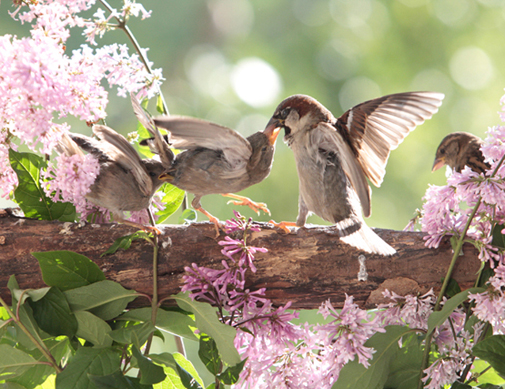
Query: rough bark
{"x": 306, "y": 267}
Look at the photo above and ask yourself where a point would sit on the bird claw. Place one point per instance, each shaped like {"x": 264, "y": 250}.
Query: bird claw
{"x": 283, "y": 225}
{"x": 152, "y": 229}
{"x": 256, "y": 207}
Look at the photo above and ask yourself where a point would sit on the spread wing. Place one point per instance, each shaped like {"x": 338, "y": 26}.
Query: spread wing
{"x": 329, "y": 140}
{"x": 376, "y": 127}
{"x": 189, "y": 133}
{"x": 160, "y": 145}
{"x": 117, "y": 149}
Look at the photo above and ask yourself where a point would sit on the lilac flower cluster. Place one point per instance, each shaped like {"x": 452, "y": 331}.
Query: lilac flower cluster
{"x": 490, "y": 305}
{"x": 41, "y": 83}
{"x": 71, "y": 179}
{"x": 279, "y": 353}
{"x": 453, "y": 343}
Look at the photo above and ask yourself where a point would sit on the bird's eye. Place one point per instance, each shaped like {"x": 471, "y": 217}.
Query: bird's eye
{"x": 152, "y": 174}
{"x": 263, "y": 149}
{"x": 442, "y": 151}
{"x": 285, "y": 112}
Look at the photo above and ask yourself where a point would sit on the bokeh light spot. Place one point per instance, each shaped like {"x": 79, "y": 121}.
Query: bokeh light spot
{"x": 471, "y": 68}
{"x": 256, "y": 82}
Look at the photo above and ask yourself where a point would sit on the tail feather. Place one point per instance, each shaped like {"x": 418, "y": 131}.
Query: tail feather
{"x": 357, "y": 234}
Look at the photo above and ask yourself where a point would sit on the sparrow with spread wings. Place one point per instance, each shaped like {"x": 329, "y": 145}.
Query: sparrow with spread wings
{"x": 334, "y": 157}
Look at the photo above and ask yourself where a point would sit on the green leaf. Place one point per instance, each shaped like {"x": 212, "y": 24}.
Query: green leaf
{"x": 53, "y": 315}
{"x": 439, "y": 317}
{"x": 87, "y": 361}
{"x": 209, "y": 354}
{"x": 188, "y": 216}
{"x": 136, "y": 334}
{"x": 492, "y": 350}
{"x": 159, "y": 105}
{"x": 355, "y": 375}
{"x": 150, "y": 373}
{"x": 173, "y": 322}
{"x": 14, "y": 362}
{"x": 125, "y": 242}
{"x": 207, "y": 322}
{"x": 172, "y": 381}
{"x": 498, "y": 237}
{"x": 166, "y": 359}
{"x": 29, "y": 194}
{"x": 93, "y": 329}
{"x": 187, "y": 366}
{"x": 405, "y": 367}
{"x": 231, "y": 375}
{"x": 38, "y": 374}
{"x": 67, "y": 270}
{"x": 489, "y": 377}
{"x": 116, "y": 380}
{"x": 452, "y": 288}
{"x": 26, "y": 317}
{"x": 105, "y": 299}
{"x": 172, "y": 199}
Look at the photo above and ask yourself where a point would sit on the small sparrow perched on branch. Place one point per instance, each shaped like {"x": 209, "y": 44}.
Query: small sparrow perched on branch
{"x": 125, "y": 182}
{"x": 458, "y": 150}
{"x": 216, "y": 160}
{"x": 335, "y": 156}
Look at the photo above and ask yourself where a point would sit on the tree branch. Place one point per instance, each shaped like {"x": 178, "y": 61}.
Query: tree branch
{"x": 306, "y": 267}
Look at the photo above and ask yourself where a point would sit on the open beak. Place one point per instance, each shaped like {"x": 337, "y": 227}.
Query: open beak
{"x": 165, "y": 177}
{"x": 439, "y": 162}
{"x": 272, "y": 130}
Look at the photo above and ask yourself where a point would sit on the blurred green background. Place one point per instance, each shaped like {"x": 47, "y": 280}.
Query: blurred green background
{"x": 233, "y": 61}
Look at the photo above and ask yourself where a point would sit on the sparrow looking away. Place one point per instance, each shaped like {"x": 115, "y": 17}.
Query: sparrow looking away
{"x": 458, "y": 150}
{"x": 335, "y": 156}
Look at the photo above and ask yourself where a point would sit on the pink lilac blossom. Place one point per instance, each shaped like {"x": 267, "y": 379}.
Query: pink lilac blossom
{"x": 71, "y": 179}
{"x": 40, "y": 83}
{"x": 450, "y": 363}
{"x": 490, "y": 305}
{"x": 278, "y": 352}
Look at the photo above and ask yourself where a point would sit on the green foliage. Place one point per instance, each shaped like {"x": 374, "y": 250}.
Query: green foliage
{"x": 207, "y": 322}
{"x": 29, "y": 194}
{"x": 492, "y": 350}
{"x": 126, "y": 241}
{"x": 67, "y": 270}
{"x": 172, "y": 199}
{"x": 387, "y": 350}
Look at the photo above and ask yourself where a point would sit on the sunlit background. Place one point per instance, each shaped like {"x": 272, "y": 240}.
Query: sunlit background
{"x": 233, "y": 61}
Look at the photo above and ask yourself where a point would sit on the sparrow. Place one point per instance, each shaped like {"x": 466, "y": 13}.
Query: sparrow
{"x": 334, "y": 157}
{"x": 216, "y": 160}
{"x": 125, "y": 182}
{"x": 458, "y": 150}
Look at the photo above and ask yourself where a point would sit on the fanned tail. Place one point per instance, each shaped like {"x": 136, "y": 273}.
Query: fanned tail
{"x": 356, "y": 233}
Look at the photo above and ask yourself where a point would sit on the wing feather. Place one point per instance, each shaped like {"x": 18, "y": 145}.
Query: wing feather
{"x": 190, "y": 133}
{"x": 117, "y": 148}
{"x": 376, "y": 127}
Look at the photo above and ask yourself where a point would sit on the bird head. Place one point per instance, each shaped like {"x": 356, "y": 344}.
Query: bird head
{"x": 298, "y": 113}
{"x": 448, "y": 150}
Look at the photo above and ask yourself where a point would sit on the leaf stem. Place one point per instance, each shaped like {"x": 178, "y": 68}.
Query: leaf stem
{"x": 41, "y": 347}
{"x": 142, "y": 53}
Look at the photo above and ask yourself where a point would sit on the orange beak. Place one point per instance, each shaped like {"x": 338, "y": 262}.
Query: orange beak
{"x": 272, "y": 130}
{"x": 439, "y": 162}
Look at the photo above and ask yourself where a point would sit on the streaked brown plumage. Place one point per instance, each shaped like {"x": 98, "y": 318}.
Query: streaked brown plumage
{"x": 216, "y": 160}
{"x": 335, "y": 156}
{"x": 125, "y": 182}
{"x": 458, "y": 150}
